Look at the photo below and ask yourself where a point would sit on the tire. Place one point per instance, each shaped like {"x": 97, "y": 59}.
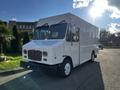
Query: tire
{"x": 93, "y": 57}
{"x": 65, "y": 68}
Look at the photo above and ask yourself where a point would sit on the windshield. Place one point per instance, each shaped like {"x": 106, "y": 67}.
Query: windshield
{"x": 56, "y": 31}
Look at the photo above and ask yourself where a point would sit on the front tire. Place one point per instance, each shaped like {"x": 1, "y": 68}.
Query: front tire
{"x": 65, "y": 68}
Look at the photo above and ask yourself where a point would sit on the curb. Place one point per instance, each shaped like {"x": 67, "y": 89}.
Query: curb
{"x": 13, "y": 71}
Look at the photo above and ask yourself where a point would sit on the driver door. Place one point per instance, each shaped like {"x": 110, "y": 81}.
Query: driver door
{"x": 73, "y": 40}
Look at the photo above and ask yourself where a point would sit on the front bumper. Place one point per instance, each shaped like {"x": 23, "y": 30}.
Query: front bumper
{"x": 38, "y": 66}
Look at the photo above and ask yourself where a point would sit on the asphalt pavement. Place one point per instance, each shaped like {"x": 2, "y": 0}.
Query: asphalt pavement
{"x": 103, "y": 74}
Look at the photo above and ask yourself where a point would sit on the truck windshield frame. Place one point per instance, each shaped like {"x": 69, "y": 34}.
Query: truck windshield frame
{"x": 55, "y": 31}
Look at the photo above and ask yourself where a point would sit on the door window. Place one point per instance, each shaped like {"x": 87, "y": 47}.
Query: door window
{"x": 73, "y": 34}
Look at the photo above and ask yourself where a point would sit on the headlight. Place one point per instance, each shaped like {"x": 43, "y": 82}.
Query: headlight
{"x": 45, "y": 53}
{"x": 25, "y": 51}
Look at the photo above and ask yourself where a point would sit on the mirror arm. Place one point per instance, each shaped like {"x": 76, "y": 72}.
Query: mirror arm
{"x": 71, "y": 40}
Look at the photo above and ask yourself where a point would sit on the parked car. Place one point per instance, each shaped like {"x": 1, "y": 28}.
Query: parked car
{"x": 100, "y": 46}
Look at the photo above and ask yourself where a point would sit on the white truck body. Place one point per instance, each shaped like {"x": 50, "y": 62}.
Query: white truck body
{"x": 58, "y": 49}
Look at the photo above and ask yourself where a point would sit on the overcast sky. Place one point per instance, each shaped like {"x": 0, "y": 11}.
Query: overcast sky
{"x": 102, "y": 13}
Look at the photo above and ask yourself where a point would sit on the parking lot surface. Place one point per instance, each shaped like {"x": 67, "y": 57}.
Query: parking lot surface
{"x": 103, "y": 74}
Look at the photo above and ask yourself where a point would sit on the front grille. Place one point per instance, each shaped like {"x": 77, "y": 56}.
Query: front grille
{"x": 35, "y": 55}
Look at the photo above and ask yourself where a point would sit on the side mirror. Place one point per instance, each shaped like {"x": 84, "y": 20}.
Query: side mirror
{"x": 75, "y": 38}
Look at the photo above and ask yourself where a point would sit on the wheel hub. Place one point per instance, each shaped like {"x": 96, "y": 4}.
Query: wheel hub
{"x": 67, "y": 68}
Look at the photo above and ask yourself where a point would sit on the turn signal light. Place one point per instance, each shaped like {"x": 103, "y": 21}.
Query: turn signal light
{"x": 45, "y": 53}
{"x": 25, "y": 51}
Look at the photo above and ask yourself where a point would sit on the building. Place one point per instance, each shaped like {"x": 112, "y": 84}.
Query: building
{"x": 22, "y": 26}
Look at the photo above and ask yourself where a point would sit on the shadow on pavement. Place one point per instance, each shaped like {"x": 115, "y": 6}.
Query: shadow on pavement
{"x": 85, "y": 77}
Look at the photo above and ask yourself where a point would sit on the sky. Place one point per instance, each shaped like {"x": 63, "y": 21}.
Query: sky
{"x": 102, "y": 13}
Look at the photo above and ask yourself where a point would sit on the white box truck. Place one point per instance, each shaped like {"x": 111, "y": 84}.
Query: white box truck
{"x": 61, "y": 42}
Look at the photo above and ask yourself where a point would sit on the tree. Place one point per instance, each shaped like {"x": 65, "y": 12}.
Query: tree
{"x": 118, "y": 38}
{"x": 109, "y": 39}
{"x": 115, "y": 38}
{"x": 15, "y": 42}
{"x": 3, "y": 35}
{"x": 104, "y": 36}
{"x": 25, "y": 38}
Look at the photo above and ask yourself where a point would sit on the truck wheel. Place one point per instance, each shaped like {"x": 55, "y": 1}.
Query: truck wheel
{"x": 65, "y": 68}
{"x": 92, "y": 57}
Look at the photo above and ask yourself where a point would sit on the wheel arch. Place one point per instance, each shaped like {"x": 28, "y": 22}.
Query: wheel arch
{"x": 68, "y": 58}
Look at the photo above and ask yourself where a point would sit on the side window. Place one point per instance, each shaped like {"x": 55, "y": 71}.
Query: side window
{"x": 73, "y": 34}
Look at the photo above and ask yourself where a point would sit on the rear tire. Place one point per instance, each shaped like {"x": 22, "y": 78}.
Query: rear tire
{"x": 93, "y": 57}
{"x": 65, "y": 68}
